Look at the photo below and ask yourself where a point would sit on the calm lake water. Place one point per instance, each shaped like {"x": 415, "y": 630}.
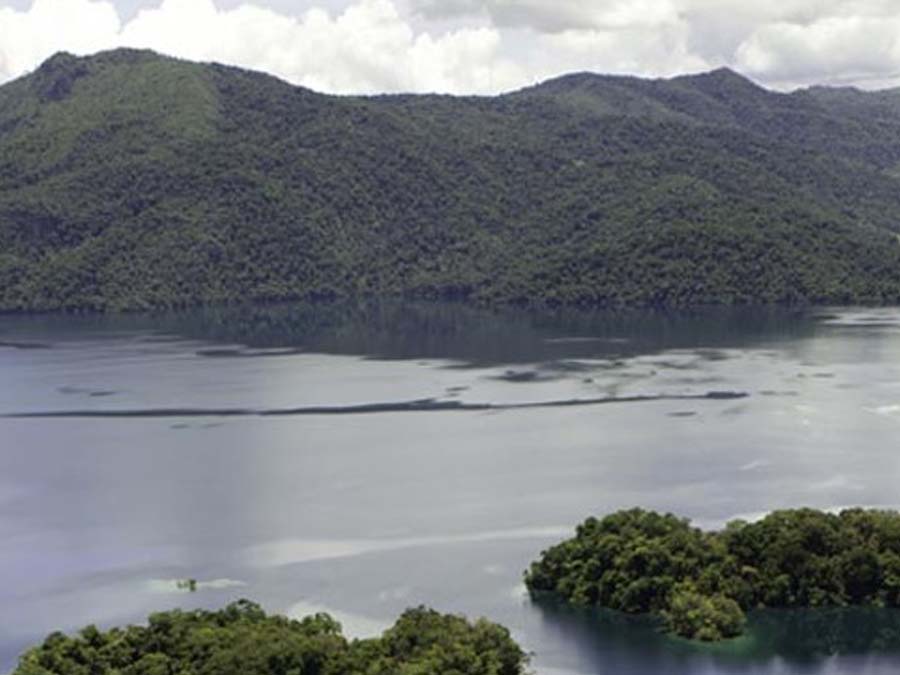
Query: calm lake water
{"x": 360, "y": 460}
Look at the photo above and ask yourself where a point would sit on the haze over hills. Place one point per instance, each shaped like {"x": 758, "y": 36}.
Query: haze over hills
{"x": 130, "y": 180}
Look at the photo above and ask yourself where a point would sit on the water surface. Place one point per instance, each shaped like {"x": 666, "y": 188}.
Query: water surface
{"x": 363, "y": 459}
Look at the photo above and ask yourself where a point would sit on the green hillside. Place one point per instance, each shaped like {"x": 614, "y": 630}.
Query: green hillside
{"x": 129, "y": 180}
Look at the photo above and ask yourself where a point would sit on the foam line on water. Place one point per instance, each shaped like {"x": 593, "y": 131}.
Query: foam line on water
{"x": 294, "y": 551}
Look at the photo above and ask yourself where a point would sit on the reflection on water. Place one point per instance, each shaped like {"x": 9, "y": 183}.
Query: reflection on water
{"x": 445, "y": 498}
{"x": 804, "y": 639}
{"x": 476, "y": 337}
{"x": 811, "y": 636}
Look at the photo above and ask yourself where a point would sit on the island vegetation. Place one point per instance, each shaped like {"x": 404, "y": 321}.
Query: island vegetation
{"x": 702, "y": 583}
{"x": 131, "y": 181}
{"x": 242, "y": 640}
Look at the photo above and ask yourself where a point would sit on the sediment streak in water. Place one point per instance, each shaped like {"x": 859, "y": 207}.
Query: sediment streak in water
{"x": 420, "y": 405}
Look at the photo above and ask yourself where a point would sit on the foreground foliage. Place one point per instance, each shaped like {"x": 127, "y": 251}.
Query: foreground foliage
{"x": 129, "y": 181}
{"x": 701, "y": 582}
{"x": 242, "y": 640}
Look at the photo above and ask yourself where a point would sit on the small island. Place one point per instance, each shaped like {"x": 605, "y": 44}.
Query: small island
{"x": 242, "y": 640}
{"x": 702, "y": 583}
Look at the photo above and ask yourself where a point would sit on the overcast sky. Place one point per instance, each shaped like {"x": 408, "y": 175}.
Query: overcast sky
{"x": 475, "y": 46}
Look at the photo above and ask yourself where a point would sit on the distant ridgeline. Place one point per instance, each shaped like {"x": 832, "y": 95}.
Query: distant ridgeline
{"x": 242, "y": 640}
{"x": 701, "y": 583}
{"x": 129, "y": 180}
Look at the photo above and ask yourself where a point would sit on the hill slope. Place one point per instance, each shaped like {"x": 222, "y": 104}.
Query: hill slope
{"x": 129, "y": 180}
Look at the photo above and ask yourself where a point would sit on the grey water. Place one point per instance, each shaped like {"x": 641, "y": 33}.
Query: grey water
{"x": 363, "y": 459}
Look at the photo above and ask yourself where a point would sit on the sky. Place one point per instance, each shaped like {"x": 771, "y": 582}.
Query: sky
{"x": 475, "y": 46}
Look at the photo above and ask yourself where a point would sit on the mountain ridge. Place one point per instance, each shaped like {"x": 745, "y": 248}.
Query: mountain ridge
{"x": 130, "y": 180}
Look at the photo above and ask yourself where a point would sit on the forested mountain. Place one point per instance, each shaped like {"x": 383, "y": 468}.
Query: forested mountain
{"x": 130, "y": 180}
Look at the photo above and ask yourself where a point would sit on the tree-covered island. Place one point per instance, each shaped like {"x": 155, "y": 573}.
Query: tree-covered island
{"x": 242, "y": 640}
{"x": 702, "y": 583}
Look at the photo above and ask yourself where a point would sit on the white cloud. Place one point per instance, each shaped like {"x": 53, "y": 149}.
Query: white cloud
{"x": 645, "y": 49}
{"x": 566, "y": 15}
{"x": 781, "y": 42}
{"x": 26, "y": 38}
{"x": 478, "y": 46}
{"x": 370, "y": 47}
{"x": 553, "y": 16}
{"x": 834, "y": 49}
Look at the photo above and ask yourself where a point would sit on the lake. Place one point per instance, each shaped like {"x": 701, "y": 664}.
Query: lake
{"x": 367, "y": 458}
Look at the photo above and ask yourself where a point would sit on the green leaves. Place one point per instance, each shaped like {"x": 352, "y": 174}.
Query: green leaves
{"x": 242, "y": 640}
{"x": 703, "y": 617}
{"x": 640, "y": 561}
